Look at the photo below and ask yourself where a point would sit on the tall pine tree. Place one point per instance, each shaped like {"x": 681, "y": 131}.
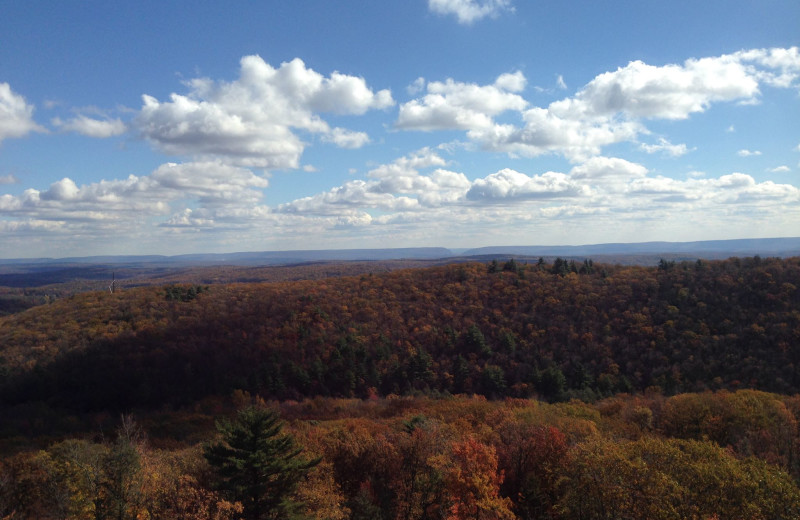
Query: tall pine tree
{"x": 257, "y": 465}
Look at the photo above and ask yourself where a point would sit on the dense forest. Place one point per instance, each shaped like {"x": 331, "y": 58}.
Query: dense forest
{"x": 552, "y": 331}
{"x": 693, "y": 456}
{"x": 505, "y": 389}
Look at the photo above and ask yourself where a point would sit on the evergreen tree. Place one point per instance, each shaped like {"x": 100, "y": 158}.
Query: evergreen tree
{"x": 257, "y": 465}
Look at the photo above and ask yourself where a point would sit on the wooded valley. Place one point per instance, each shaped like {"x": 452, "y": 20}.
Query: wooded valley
{"x": 505, "y": 389}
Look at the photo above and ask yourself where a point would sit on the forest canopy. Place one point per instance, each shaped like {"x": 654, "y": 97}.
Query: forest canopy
{"x": 501, "y": 390}
{"x": 505, "y": 329}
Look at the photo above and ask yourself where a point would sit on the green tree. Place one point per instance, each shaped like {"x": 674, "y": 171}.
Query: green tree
{"x": 257, "y": 465}
{"x": 120, "y": 486}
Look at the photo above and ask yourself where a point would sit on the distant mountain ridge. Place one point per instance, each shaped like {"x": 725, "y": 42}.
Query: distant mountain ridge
{"x": 250, "y": 258}
{"x": 781, "y": 247}
{"x": 707, "y": 248}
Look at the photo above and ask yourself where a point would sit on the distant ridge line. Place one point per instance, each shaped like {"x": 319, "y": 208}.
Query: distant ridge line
{"x": 783, "y": 247}
{"x": 761, "y": 246}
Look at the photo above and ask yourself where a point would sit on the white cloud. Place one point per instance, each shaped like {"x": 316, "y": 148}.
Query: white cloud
{"x": 26, "y": 228}
{"x": 415, "y": 190}
{"x": 396, "y": 186}
{"x": 99, "y": 128}
{"x": 63, "y": 190}
{"x": 252, "y": 121}
{"x": 416, "y": 87}
{"x": 665, "y": 147}
{"x": 560, "y": 83}
{"x": 768, "y": 191}
{"x": 748, "y": 153}
{"x": 508, "y": 184}
{"x": 598, "y": 169}
{"x": 353, "y": 196}
{"x": 184, "y": 219}
{"x": 711, "y": 194}
{"x": 408, "y": 166}
{"x": 8, "y": 179}
{"x": 470, "y": 11}
{"x": 511, "y": 82}
{"x": 780, "y": 169}
{"x": 452, "y": 105}
{"x": 545, "y": 132}
{"x": 640, "y": 90}
{"x": 415, "y": 197}
{"x": 784, "y": 65}
{"x": 211, "y": 184}
{"x": 16, "y": 115}
{"x": 344, "y": 138}
{"x": 613, "y": 106}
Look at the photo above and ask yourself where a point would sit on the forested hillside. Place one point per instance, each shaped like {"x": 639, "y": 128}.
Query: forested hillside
{"x": 554, "y": 331}
{"x": 497, "y": 390}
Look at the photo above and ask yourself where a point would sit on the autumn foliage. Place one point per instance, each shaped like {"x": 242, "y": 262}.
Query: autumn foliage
{"x": 484, "y": 391}
{"x": 526, "y": 331}
{"x": 422, "y": 458}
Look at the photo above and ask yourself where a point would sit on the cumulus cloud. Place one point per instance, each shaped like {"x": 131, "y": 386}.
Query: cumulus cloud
{"x": 396, "y": 186}
{"x": 780, "y": 169}
{"x": 62, "y": 190}
{"x": 8, "y": 179}
{"x": 470, "y": 11}
{"x": 416, "y": 195}
{"x": 452, "y": 105}
{"x": 16, "y": 115}
{"x": 185, "y": 219}
{"x": 734, "y": 188}
{"x": 408, "y": 166}
{"x": 545, "y": 132}
{"x": 640, "y": 90}
{"x": 99, "y": 128}
{"x": 614, "y": 106}
{"x": 252, "y": 121}
{"x": 665, "y": 147}
{"x": 598, "y": 169}
{"x": 418, "y": 190}
{"x": 211, "y": 184}
{"x": 344, "y": 138}
{"x": 508, "y": 184}
{"x": 779, "y": 67}
{"x": 353, "y": 196}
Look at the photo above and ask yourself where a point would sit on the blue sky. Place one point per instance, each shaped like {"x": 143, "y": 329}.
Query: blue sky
{"x": 175, "y": 127}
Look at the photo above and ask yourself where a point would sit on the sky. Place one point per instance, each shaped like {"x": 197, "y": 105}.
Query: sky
{"x": 171, "y": 127}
